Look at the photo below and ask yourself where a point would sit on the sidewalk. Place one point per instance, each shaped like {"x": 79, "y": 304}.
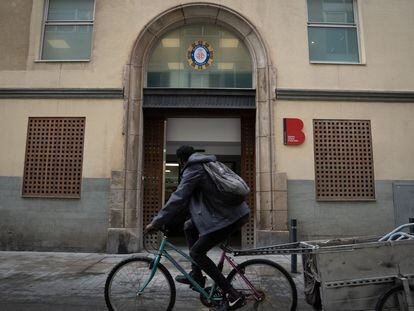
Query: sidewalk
{"x": 75, "y": 281}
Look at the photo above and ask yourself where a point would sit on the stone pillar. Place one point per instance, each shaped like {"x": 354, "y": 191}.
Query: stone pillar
{"x": 124, "y": 220}
{"x": 272, "y": 214}
{"x": 280, "y": 207}
{"x": 121, "y": 239}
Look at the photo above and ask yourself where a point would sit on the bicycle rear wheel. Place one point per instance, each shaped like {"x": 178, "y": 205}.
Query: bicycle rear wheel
{"x": 394, "y": 299}
{"x": 269, "y": 280}
{"x": 130, "y": 275}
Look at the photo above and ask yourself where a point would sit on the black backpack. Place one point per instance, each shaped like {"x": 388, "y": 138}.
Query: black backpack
{"x": 232, "y": 188}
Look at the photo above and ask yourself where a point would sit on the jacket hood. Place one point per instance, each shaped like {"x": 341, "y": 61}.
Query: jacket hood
{"x": 201, "y": 158}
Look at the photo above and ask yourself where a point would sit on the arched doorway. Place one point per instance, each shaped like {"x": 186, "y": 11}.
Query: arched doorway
{"x": 207, "y": 56}
{"x": 263, "y": 81}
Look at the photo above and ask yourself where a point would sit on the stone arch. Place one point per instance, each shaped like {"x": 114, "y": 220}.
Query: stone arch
{"x": 134, "y": 80}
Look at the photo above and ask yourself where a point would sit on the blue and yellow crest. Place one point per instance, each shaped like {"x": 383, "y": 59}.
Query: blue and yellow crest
{"x": 200, "y": 55}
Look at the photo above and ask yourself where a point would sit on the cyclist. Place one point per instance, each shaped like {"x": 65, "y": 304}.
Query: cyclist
{"x": 211, "y": 221}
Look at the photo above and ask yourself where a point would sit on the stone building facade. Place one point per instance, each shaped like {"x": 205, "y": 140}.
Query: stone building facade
{"x": 95, "y": 96}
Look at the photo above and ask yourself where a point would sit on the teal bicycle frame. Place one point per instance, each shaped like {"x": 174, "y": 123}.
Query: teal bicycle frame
{"x": 163, "y": 251}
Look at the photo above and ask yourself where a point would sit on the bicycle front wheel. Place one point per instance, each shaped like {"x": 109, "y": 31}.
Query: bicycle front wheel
{"x": 395, "y": 299}
{"x": 129, "y": 276}
{"x": 266, "y": 285}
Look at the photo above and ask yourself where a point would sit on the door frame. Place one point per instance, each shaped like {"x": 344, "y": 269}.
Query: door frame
{"x": 248, "y": 171}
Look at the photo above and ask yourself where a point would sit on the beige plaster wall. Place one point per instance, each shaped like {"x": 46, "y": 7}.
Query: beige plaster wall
{"x": 14, "y": 34}
{"x": 103, "y": 132}
{"x": 386, "y": 36}
{"x": 387, "y": 43}
{"x": 392, "y": 125}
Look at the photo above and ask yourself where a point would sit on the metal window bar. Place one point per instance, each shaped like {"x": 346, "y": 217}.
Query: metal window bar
{"x": 333, "y": 25}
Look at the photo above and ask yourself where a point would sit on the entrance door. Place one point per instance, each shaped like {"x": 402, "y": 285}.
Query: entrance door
{"x": 207, "y": 135}
{"x": 233, "y": 146}
{"x": 248, "y": 173}
{"x": 154, "y": 129}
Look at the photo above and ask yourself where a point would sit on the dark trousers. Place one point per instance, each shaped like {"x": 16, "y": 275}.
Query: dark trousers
{"x": 200, "y": 245}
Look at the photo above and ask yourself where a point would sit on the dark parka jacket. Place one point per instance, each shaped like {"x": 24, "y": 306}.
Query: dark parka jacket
{"x": 198, "y": 193}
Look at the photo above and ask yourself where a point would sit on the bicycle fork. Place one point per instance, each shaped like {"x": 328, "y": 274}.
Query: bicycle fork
{"x": 153, "y": 267}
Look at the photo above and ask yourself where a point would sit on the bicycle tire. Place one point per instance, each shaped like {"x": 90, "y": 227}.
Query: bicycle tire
{"x": 270, "y": 279}
{"x": 121, "y": 293}
{"x": 389, "y": 300}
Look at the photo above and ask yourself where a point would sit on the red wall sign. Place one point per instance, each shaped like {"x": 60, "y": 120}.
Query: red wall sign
{"x": 292, "y": 131}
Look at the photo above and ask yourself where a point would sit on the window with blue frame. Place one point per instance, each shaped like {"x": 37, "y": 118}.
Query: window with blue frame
{"x": 68, "y": 27}
{"x": 333, "y": 31}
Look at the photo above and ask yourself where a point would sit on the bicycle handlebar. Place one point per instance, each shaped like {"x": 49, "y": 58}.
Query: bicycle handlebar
{"x": 164, "y": 231}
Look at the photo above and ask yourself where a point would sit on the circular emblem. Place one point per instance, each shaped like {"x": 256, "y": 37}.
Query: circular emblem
{"x": 200, "y": 55}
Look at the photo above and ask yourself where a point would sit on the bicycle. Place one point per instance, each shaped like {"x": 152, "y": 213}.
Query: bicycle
{"x": 143, "y": 283}
{"x": 399, "y": 297}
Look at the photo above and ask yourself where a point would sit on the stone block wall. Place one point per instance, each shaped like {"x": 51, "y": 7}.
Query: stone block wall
{"x": 40, "y": 224}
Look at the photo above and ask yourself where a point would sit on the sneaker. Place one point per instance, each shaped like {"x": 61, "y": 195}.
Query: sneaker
{"x": 200, "y": 279}
{"x": 232, "y": 301}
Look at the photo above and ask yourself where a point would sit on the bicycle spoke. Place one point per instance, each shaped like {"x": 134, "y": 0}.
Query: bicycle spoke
{"x": 129, "y": 278}
{"x": 396, "y": 302}
{"x": 274, "y": 287}
{"x": 396, "y": 298}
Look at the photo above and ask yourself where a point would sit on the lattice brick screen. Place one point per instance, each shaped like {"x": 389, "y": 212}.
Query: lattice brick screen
{"x": 248, "y": 172}
{"x": 153, "y": 171}
{"x": 54, "y": 155}
{"x": 344, "y": 169}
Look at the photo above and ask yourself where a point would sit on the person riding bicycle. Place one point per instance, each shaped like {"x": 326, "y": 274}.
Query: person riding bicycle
{"x": 211, "y": 222}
